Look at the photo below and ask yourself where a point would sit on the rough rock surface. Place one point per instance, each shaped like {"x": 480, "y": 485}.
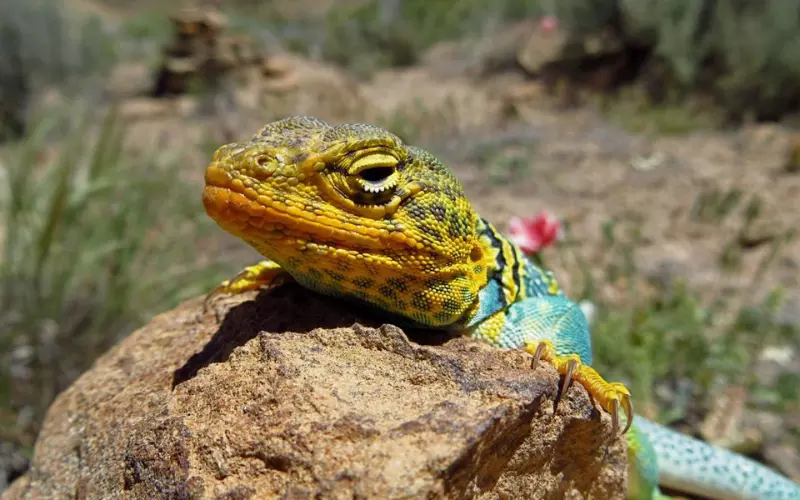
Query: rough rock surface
{"x": 287, "y": 394}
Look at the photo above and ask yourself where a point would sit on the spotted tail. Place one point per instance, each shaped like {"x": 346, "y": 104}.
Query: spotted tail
{"x": 689, "y": 465}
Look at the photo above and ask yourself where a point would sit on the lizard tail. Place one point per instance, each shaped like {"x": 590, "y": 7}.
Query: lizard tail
{"x": 692, "y": 466}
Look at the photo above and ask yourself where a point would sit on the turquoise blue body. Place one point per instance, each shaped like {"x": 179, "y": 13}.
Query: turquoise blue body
{"x": 537, "y": 309}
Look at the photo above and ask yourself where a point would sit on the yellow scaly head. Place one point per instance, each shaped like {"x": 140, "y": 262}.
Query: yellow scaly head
{"x": 350, "y": 210}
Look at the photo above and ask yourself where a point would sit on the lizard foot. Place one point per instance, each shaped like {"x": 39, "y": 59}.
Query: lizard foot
{"x": 611, "y": 395}
{"x": 261, "y": 274}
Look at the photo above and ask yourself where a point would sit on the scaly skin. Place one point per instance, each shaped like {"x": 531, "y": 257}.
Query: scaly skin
{"x": 351, "y": 211}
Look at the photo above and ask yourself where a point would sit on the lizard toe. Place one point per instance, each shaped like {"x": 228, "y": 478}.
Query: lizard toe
{"x": 262, "y": 274}
{"x": 213, "y": 294}
{"x": 612, "y": 396}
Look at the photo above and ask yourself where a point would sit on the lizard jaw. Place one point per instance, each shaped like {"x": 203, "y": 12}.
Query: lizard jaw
{"x": 260, "y": 219}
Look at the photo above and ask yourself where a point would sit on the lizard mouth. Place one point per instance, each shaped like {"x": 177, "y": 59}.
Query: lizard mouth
{"x": 261, "y": 219}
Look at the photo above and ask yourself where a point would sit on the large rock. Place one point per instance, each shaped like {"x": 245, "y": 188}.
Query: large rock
{"x": 288, "y": 396}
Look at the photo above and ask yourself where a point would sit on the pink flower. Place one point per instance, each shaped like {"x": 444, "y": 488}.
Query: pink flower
{"x": 532, "y": 234}
{"x": 548, "y": 24}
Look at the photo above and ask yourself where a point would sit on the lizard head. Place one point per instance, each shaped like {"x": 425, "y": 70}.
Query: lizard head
{"x": 346, "y": 208}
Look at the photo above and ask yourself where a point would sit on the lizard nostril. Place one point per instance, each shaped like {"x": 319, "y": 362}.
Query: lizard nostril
{"x": 264, "y": 167}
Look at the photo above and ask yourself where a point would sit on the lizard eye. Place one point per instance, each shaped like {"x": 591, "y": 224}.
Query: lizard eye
{"x": 374, "y": 174}
{"x": 376, "y": 179}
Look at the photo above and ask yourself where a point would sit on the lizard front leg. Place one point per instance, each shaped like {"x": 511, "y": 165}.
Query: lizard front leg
{"x": 554, "y": 329}
{"x": 262, "y": 274}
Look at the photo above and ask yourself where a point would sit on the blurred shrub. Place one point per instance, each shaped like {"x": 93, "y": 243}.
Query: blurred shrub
{"x": 758, "y": 44}
{"x": 41, "y": 46}
{"x": 85, "y": 257}
{"x": 745, "y": 53}
{"x": 377, "y": 33}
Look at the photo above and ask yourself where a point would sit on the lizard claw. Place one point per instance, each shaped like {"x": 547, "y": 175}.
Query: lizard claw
{"x": 620, "y": 397}
{"x": 610, "y": 395}
{"x": 213, "y": 294}
{"x": 264, "y": 273}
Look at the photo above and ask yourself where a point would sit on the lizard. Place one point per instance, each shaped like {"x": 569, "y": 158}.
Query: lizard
{"x": 351, "y": 211}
